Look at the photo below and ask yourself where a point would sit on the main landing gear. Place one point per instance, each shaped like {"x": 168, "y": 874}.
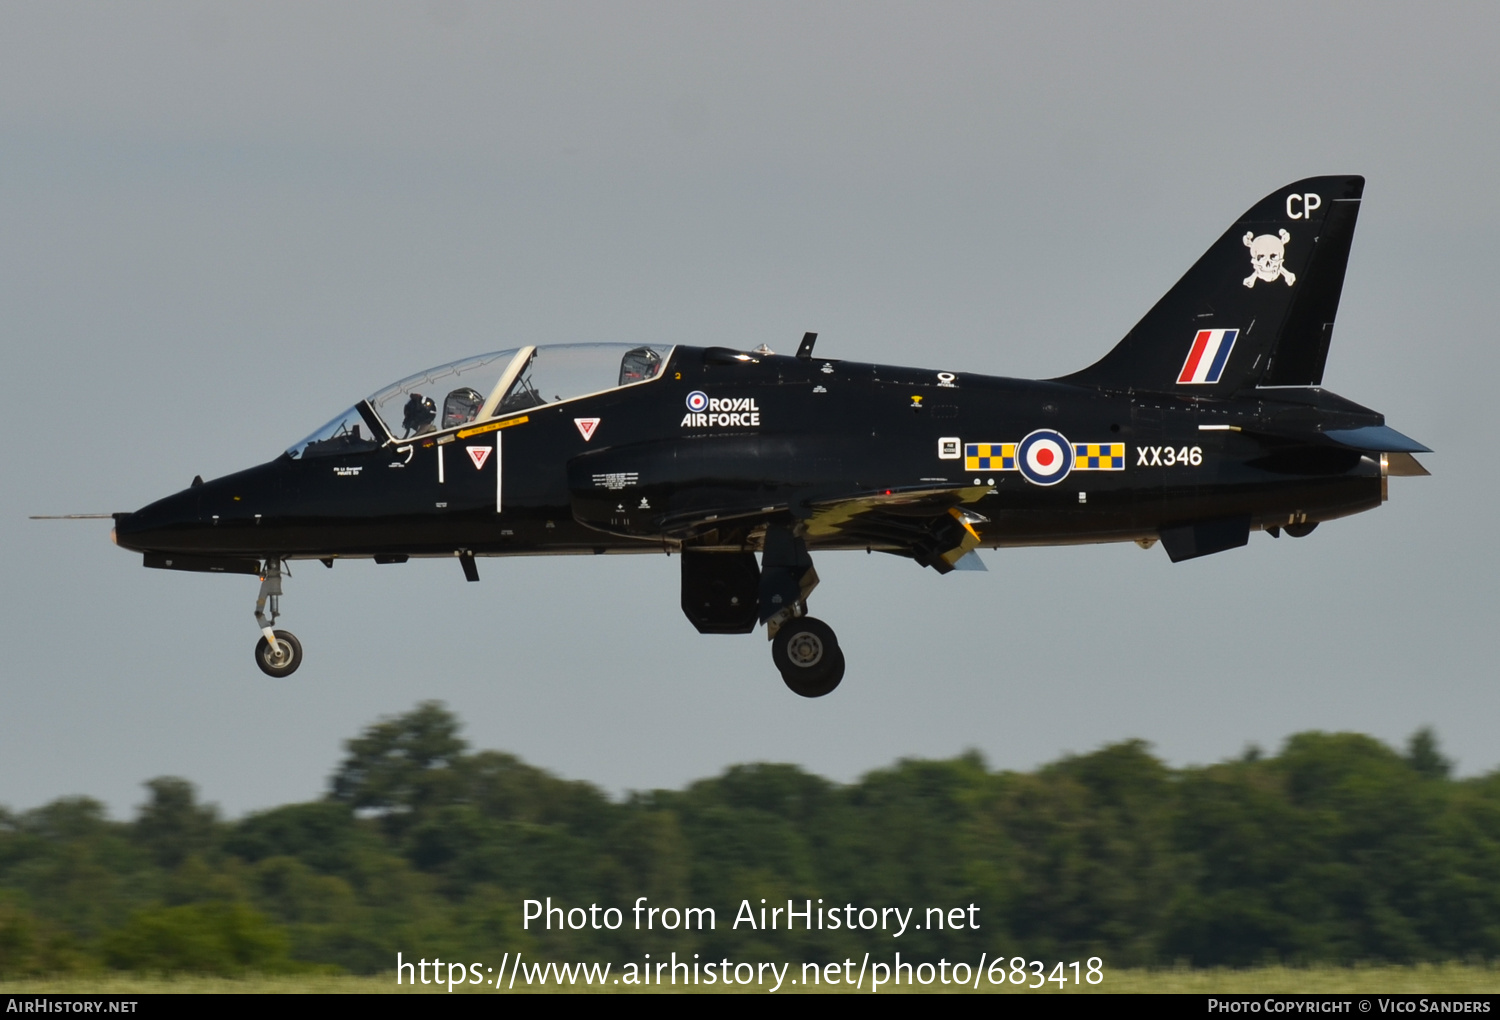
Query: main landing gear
{"x": 808, "y": 656}
{"x": 728, "y": 593}
{"x": 278, "y": 653}
{"x": 805, "y": 650}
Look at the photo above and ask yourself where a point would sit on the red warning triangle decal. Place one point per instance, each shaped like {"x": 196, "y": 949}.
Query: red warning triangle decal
{"x": 586, "y": 427}
{"x": 479, "y": 454}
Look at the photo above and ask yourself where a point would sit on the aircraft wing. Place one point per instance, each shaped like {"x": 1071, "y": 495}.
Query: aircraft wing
{"x": 853, "y": 512}
{"x": 714, "y": 490}
{"x": 929, "y": 523}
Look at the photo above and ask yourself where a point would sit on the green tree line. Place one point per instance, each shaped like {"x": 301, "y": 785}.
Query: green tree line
{"x": 1337, "y": 849}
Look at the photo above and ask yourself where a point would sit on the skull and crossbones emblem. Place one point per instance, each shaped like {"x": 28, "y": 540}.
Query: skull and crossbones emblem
{"x": 1266, "y": 256}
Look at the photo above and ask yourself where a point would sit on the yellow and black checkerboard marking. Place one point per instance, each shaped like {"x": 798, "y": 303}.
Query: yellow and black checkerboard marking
{"x": 1098, "y": 456}
{"x": 991, "y": 456}
{"x": 1002, "y": 457}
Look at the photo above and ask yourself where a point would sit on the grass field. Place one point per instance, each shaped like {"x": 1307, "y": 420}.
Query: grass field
{"x": 1449, "y": 978}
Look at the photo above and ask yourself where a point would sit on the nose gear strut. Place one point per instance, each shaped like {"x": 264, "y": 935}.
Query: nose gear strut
{"x": 278, "y": 653}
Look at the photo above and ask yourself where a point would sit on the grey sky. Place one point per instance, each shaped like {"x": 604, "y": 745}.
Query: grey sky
{"x": 221, "y": 224}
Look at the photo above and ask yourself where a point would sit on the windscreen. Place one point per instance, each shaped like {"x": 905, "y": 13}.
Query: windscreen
{"x": 346, "y": 433}
{"x": 441, "y": 397}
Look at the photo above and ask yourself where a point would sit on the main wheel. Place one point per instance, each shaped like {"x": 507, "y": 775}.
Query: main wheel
{"x": 282, "y": 663}
{"x": 808, "y": 656}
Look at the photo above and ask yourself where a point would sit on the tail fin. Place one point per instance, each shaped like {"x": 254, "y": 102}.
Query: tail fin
{"x": 1256, "y": 310}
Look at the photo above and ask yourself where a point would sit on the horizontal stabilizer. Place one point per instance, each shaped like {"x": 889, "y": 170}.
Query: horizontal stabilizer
{"x": 1376, "y": 439}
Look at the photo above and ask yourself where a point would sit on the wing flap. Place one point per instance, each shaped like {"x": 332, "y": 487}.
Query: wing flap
{"x": 831, "y": 516}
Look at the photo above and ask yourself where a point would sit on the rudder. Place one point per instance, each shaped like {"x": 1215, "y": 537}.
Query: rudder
{"x": 1256, "y": 310}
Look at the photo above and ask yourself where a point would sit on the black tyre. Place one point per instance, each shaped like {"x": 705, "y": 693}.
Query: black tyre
{"x": 806, "y": 688}
{"x": 284, "y": 664}
{"x": 808, "y": 657}
{"x": 1300, "y": 530}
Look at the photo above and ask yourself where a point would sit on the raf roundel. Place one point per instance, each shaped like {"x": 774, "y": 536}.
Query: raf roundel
{"x": 697, "y": 400}
{"x": 1044, "y": 457}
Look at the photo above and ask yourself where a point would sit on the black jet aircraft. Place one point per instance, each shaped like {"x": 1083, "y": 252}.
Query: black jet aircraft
{"x": 1206, "y": 422}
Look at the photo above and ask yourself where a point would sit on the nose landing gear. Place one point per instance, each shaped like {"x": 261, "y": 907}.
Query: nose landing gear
{"x": 278, "y": 653}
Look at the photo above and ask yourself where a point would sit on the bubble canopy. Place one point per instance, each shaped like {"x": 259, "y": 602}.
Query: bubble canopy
{"x": 486, "y": 386}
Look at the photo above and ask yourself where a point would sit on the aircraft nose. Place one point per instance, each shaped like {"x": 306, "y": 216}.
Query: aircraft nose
{"x": 159, "y": 526}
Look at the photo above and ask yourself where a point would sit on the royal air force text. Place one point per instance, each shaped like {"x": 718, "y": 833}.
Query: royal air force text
{"x": 724, "y": 412}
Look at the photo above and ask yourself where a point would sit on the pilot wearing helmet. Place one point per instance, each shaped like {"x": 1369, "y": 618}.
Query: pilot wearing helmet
{"x": 418, "y": 415}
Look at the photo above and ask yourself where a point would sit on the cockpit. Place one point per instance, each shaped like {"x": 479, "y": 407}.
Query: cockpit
{"x": 483, "y": 387}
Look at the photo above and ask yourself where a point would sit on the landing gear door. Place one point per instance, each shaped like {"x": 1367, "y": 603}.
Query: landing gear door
{"x": 721, "y": 591}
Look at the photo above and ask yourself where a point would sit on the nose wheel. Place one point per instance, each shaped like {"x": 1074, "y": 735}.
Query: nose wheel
{"x": 807, "y": 653}
{"x": 281, "y": 660}
{"x": 278, "y": 653}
